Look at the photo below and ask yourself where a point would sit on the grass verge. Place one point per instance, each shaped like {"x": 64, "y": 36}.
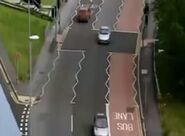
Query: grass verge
{"x": 172, "y": 109}
{"x": 48, "y": 2}
{"x": 14, "y": 36}
{"x": 173, "y": 117}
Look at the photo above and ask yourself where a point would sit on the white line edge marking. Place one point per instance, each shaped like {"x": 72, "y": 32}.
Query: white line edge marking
{"x": 108, "y": 117}
{"x": 135, "y": 94}
{"x": 72, "y": 123}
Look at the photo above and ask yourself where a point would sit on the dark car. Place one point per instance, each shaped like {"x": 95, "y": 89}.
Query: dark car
{"x": 84, "y": 13}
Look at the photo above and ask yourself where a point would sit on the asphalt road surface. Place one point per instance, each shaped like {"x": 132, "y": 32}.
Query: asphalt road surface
{"x": 91, "y": 91}
{"x": 52, "y": 115}
{"x": 79, "y": 77}
{"x": 16, "y": 108}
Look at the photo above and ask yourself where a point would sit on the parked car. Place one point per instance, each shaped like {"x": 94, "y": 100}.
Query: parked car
{"x": 100, "y": 125}
{"x": 104, "y": 35}
{"x": 84, "y": 13}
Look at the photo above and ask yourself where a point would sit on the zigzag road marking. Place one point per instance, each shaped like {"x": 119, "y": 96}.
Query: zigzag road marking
{"x": 118, "y": 15}
{"x": 96, "y": 16}
{"x": 76, "y": 77}
{"x": 107, "y": 72}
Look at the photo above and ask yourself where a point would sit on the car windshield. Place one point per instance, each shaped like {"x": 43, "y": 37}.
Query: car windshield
{"x": 101, "y": 123}
{"x": 104, "y": 31}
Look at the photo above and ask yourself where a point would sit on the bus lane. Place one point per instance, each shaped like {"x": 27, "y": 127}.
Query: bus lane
{"x": 131, "y": 16}
{"x": 124, "y": 117}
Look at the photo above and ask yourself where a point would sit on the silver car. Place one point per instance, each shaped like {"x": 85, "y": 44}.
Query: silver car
{"x": 100, "y": 125}
{"x": 104, "y": 35}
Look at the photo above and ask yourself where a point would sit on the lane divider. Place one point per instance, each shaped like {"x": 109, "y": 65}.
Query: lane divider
{"x": 72, "y": 123}
{"x": 59, "y": 46}
{"x": 96, "y": 15}
{"x": 72, "y": 18}
{"x": 76, "y": 77}
{"x": 118, "y": 15}
{"x": 134, "y": 98}
{"x": 141, "y": 14}
{"x": 108, "y": 117}
{"x": 107, "y": 72}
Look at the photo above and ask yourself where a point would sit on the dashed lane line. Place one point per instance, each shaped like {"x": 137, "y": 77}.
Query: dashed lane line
{"x": 72, "y": 123}
{"x": 24, "y": 122}
{"x": 108, "y": 117}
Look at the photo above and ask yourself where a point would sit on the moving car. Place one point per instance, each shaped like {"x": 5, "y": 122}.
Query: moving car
{"x": 84, "y": 13}
{"x": 104, "y": 35}
{"x": 100, "y": 125}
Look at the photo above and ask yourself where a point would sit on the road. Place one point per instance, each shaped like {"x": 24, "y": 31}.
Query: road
{"x": 17, "y": 109}
{"x": 76, "y": 89}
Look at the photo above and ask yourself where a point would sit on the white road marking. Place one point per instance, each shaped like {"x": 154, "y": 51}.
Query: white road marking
{"x": 123, "y": 31}
{"x": 72, "y": 123}
{"x": 108, "y": 117}
{"x": 96, "y": 15}
{"x": 4, "y": 75}
{"x": 118, "y": 15}
{"x": 134, "y": 98}
{"x": 26, "y": 124}
{"x": 65, "y": 50}
{"x": 107, "y": 82}
{"x": 22, "y": 116}
{"x": 72, "y": 21}
{"x": 76, "y": 77}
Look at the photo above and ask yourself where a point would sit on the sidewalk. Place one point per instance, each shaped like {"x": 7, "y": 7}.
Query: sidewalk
{"x": 45, "y": 59}
{"x": 147, "y": 83}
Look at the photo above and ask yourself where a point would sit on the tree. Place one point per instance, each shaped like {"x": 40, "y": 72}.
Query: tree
{"x": 170, "y": 18}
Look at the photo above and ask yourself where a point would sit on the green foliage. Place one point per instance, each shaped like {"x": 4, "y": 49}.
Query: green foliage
{"x": 173, "y": 117}
{"x": 170, "y": 18}
{"x": 14, "y": 36}
{"x": 48, "y": 2}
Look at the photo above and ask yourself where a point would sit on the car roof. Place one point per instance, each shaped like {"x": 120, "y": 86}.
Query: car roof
{"x": 84, "y": 7}
{"x": 101, "y": 120}
{"x": 104, "y": 27}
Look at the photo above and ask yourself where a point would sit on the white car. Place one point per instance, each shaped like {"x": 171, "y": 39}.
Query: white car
{"x": 100, "y": 125}
{"x": 104, "y": 35}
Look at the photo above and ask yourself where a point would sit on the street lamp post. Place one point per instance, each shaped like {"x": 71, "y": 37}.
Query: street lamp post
{"x": 32, "y": 37}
